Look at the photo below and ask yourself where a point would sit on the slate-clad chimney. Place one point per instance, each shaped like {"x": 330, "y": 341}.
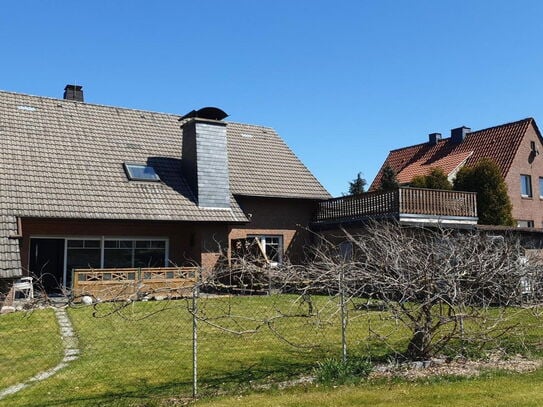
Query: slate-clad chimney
{"x": 73, "y": 92}
{"x": 458, "y": 135}
{"x": 434, "y": 138}
{"x": 205, "y": 157}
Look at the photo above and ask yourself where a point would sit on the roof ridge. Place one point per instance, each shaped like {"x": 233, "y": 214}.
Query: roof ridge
{"x": 526, "y": 119}
{"x": 175, "y": 115}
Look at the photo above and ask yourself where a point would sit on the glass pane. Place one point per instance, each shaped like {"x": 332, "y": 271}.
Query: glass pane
{"x": 75, "y": 243}
{"x": 82, "y": 258}
{"x": 92, "y": 243}
{"x": 111, "y": 243}
{"x": 272, "y": 253}
{"x": 141, "y": 172}
{"x": 158, "y": 244}
{"x": 117, "y": 258}
{"x": 143, "y": 243}
{"x": 125, "y": 244}
{"x": 149, "y": 257}
{"x": 526, "y": 185}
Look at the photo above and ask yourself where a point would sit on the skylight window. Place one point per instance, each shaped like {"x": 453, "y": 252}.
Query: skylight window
{"x": 140, "y": 172}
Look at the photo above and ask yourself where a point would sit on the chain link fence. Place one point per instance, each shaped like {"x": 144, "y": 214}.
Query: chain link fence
{"x": 218, "y": 338}
{"x": 248, "y": 327}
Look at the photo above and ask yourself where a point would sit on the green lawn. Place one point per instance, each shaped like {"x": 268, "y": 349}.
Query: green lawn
{"x": 507, "y": 390}
{"x": 141, "y": 355}
{"x": 29, "y": 344}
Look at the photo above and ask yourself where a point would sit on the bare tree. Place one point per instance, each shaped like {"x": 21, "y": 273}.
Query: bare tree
{"x": 441, "y": 284}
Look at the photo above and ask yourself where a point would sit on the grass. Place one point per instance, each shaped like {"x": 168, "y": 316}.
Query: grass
{"x": 498, "y": 389}
{"x": 29, "y": 344}
{"x": 141, "y": 355}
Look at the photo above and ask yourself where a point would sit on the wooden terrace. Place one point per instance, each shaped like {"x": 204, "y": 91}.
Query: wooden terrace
{"x": 407, "y": 205}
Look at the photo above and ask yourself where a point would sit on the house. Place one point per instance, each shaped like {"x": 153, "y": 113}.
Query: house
{"x": 92, "y": 186}
{"x": 513, "y": 146}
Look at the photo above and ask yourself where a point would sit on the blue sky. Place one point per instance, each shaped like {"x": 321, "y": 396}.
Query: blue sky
{"x": 343, "y": 82}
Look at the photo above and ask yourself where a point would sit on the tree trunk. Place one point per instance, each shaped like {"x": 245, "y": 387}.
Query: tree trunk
{"x": 419, "y": 346}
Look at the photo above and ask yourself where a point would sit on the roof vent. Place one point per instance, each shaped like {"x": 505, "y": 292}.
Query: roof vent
{"x": 210, "y": 113}
{"x": 434, "y": 138}
{"x": 73, "y": 92}
{"x": 459, "y": 134}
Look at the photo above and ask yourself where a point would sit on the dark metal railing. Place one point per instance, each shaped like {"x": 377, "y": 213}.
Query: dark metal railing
{"x": 413, "y": 201}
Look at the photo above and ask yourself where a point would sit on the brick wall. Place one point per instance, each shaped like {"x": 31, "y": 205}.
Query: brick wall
{"x": 527, "y": 208}
{"x": 189, "y": 242}
{"x": 285, "y": 217}
{"x": 185, "y": 238}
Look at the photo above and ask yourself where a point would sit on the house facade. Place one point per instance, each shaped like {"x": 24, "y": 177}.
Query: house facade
{"x": 93, "y": 186}
{"x": 515, "y": 147}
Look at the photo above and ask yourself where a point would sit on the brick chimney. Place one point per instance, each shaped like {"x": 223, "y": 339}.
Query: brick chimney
{"x": 459, "y": 134}
{"x": 73, "y": 92}
{"x": 434, "y": 138}
{"x": 205, "y": 157}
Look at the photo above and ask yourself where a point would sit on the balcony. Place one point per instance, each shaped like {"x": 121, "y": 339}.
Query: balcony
{"x": 407, "y": 205}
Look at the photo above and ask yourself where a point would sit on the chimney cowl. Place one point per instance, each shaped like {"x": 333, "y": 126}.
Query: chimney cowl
{"x": 434, "y": 138}
{"x": 459, "y": 134}
{"x": 209, "y": 113}
{"x": 73, "y": 92}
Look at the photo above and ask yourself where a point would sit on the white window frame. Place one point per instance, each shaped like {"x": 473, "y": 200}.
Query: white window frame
{"x": 280, "y": 250}
{"x": 101, "y": 239}
{"x": 526, "y": 186}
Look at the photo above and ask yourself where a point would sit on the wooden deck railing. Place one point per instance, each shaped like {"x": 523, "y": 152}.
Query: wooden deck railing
{"x": 124, "y": 283}
{"x": 412, "y": 201}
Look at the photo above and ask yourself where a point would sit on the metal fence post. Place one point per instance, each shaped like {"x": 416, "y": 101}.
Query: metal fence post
{"x": 343, "y": 317}
{"x": 195, "y": 293}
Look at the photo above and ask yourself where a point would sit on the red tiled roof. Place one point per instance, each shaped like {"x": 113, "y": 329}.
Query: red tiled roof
{"x": 448, "y": 164}
{"x": 499, "y": 143}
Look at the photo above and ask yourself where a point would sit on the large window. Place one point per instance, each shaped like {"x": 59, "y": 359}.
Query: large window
{"x": 525, "y": 185}
{"x": 115, "y": 253}
{"x": 525, "y": 223}
{"x": 83, "y": 254}
{"x": 118, "y": 253}
{"x": 134, "y": 253}
{"x": 273, "y": 247}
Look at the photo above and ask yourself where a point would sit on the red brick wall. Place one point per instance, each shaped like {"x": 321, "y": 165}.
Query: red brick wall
{"x": 527, "y": 208}
{"x": 185, "y": 246}
{"x": 190, "y": 242}
{"x": 286, "y": 217}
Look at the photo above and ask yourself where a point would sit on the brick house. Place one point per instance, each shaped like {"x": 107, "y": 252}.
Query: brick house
{"x": 513, "y": 146}
{"x": 86, "y": 185}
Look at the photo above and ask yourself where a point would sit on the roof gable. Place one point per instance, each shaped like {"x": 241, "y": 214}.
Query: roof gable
{"x": 499, "y": 143}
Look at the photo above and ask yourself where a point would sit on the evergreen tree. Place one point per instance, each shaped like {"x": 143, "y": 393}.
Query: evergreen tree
{"x": 388, "y": 179}
{"x": 436, "y": 179}
{"x": 356, "y": 186}
{"x": 493, "y": 204}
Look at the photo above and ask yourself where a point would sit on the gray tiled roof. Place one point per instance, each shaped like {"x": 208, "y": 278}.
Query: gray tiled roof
{"x": 10, "y": 259}
{"x": 63, "y": 159}
{"x": 261, "y": 164}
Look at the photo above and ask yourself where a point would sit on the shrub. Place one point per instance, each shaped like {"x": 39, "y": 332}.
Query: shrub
{"x": 337, "y": 371}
